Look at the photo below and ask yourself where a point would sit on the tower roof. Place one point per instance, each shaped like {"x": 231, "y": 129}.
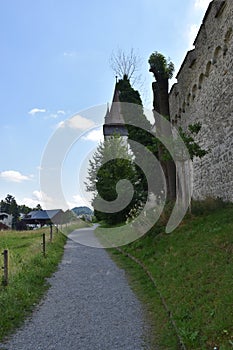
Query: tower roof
{"x": 114, "y": 121}
{"x": 114, "y": 115}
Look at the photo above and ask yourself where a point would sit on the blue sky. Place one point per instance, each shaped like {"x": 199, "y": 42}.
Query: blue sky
{"x": 55, "y": 62}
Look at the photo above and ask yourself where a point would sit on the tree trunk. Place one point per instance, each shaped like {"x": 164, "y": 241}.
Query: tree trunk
{"x": 161, "y": 105}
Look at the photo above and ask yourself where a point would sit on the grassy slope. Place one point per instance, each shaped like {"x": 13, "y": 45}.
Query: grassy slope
{"x": 193, "y": 268}
{"x": 28, "y": 270}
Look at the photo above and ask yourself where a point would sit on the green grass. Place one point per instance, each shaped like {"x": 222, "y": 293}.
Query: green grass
{"x": 68, "y": 228}
{"x": 193, "y": 269}
{"x": 159, "y": 330}
{"x": 28, "y": 271}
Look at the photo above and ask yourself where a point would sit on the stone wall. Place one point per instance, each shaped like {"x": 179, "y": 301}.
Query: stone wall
{"x": 204, "y": 93}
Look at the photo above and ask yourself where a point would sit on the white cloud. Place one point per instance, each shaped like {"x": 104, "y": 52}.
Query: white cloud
{"x": 70, "y": 54}
{"x": 36, "y": 110}
{"x": 52, "y": 116}
{"x": 61, "y": 112}
{"x": 29, "y": 202}
{"x": 77, "y": 122}
{"x": 199, "y": 7}
{"x": 38, "y": 197}
{"x": 192, "y": 33}
{"x": 94, "y": 135}
{"x": 49, "y": 114}
{"x": 201, "y": 4}
{"x": 78, "y": 201}
{"x": 55, "y": 115}
{"x": 42, "y": 197}
{"x": 14, "y": 176}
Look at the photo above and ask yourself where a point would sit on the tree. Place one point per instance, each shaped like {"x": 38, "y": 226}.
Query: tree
{"x": 132, "y": 111}
{"x": 23, "y": 209}
{"x": 126, "y": 64}
{"x": 38, "y": 207}
{"x": 163, "y": 69}
{"x": 10, "y": 206}
{"x": 110, "y": 164}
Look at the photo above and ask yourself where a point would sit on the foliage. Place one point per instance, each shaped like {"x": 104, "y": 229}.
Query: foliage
{"x": 38, "y": 207}
{"x": 160, "y": 66}
{"x": 24, "y": 209}
{"x": 132, "y": 111}
{"x": 127, "y": 92}
{"x": 188, "y": 137}
{"x": 111, "y": 163}
{"x": 10, "y": 206}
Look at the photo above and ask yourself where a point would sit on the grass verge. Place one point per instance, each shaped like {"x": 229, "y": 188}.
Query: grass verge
{"x": 193, "y": 270}
{"x": 74, "y": 225}
{"x": 28, "y": 270}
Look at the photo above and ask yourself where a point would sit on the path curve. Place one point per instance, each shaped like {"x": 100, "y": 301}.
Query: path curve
{"x": 89, "y": 306}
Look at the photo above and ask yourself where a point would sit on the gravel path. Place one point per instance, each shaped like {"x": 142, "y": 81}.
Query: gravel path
{"x": 88, "y": 307}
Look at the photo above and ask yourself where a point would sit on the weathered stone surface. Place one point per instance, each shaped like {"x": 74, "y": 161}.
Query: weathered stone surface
{"x": 204, "y": 93}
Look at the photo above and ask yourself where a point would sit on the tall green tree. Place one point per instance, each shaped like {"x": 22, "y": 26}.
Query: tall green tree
{"x": 132, "y": 111}
{"x": 111, "y": 163}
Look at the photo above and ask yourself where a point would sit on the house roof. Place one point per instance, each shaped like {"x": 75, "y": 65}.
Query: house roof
{"x": 42, "y": 215}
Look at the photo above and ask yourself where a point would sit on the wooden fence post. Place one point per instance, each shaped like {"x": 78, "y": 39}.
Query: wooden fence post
{"x": 51, "y": 233}
{"x": 5, "y": 268}
{"x": 43, "y": 244}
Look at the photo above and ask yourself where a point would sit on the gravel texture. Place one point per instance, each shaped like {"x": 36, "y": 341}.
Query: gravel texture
{"x": 88, "y": 307}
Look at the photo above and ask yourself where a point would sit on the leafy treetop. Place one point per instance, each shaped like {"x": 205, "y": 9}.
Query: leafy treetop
{"x": 161, "y": 67}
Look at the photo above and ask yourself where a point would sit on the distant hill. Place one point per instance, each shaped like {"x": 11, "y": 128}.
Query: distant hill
{"x": 82, "y": 211}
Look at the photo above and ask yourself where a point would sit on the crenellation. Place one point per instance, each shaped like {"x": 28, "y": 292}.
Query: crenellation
{"x": 204, "y": 93}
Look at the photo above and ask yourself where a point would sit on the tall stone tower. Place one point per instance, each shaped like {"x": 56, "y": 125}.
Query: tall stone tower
{"x": 114, "y": 121}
